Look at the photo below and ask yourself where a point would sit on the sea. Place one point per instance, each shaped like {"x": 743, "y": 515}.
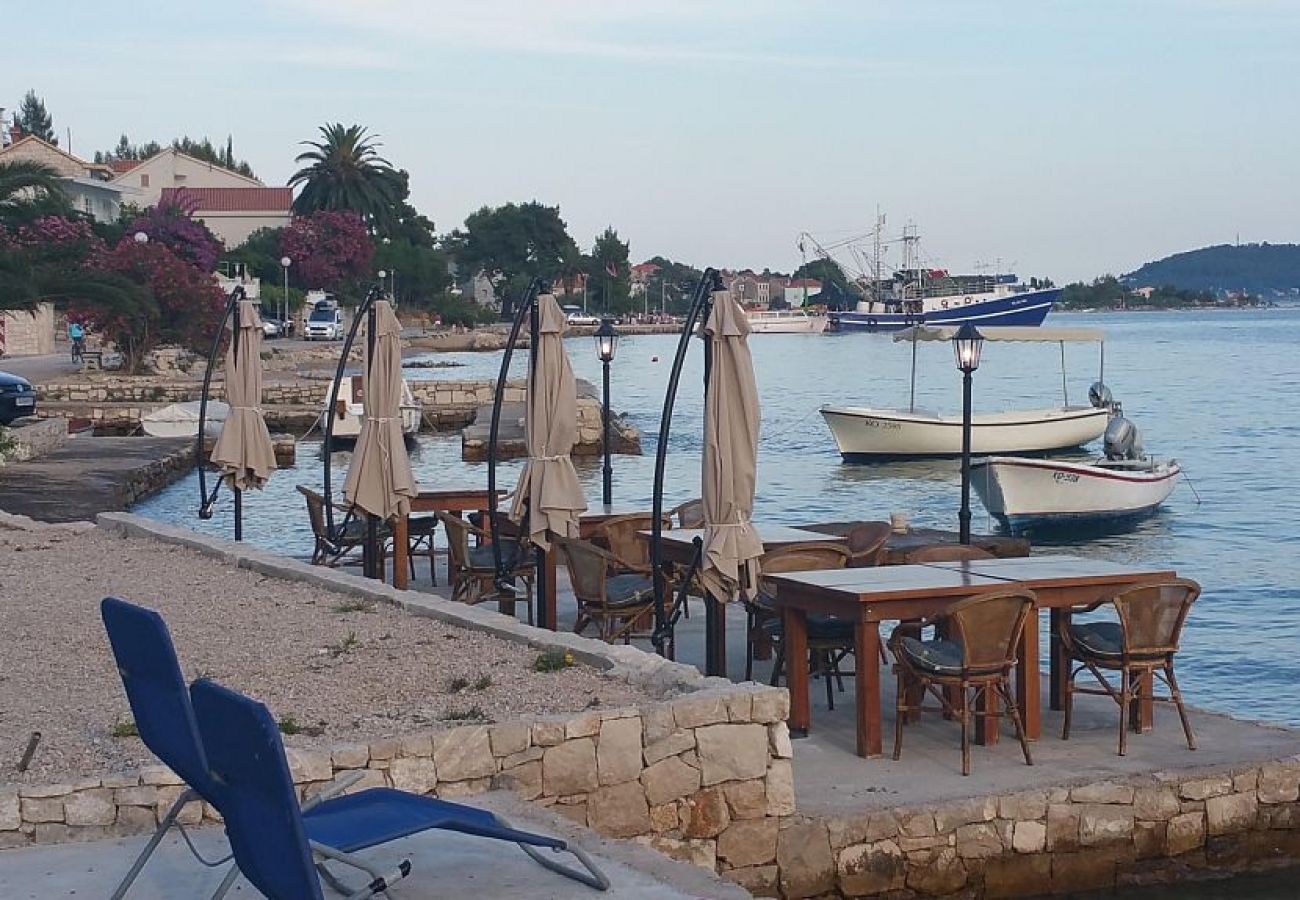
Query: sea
{"x": 1217, "y": 390}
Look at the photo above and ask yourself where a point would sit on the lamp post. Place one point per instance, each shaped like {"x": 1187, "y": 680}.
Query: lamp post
{"x": 285, "y": 262}
{"x": 966, "y": 345}
{"x": 606, "y": 346}
{"x": 141, "y": 237}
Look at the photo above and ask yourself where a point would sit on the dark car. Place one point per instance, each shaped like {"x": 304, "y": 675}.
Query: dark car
{"x": 17, "y": 398}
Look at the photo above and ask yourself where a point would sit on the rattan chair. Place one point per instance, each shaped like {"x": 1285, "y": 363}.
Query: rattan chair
{"x": 621, "y": 606}
{"x": 945, "y": 553}
{"x": 971, "y": 666}
{"x": 621, "y": 535}
{"x": 829, "y": 640}
{"x": 473, "y": 568}
{"x": 867, "y": 544}
{"x": 343, "y": 546}
{"x": 1141, "y": 644}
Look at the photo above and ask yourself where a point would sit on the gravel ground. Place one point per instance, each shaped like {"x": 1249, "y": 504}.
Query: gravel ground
{"x": 339, "y": 672}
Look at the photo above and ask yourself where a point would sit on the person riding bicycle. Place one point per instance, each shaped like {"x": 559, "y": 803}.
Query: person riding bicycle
{"x": 77, "y": 334}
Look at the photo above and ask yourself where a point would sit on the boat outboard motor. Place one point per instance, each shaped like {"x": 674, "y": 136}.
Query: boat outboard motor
{"x": 1099, "y": 396}
{"x": 1122, "y": 440}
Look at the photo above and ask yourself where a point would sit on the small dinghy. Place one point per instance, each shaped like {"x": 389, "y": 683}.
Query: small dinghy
{"x": 182, "y": 420}
{"x": 1122, "y": 485}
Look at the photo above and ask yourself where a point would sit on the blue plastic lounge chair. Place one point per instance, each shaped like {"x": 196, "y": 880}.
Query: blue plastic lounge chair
{"x": 276, "y": 845}
{"x": 160, "y": 703}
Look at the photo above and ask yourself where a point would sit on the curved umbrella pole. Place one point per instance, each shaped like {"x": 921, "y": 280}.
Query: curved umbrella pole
{"x": 527, "y": 306}
{"x": 701, "y": 307}
{"x": 206, "y": 500}
{"x": 364, "y": 310}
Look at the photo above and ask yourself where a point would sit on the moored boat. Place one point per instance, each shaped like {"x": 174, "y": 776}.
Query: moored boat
{"x": 785, "y": 321}
{"x": 990, "y": 304}
{"x": 350, "y": 412}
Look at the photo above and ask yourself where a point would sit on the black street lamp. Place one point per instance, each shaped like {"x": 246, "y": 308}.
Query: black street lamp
{"x": 606, "y": 346}
{"x": 966, "y": 345}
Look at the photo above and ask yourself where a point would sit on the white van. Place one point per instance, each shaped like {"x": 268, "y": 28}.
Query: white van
{"x": 324, "y": 323}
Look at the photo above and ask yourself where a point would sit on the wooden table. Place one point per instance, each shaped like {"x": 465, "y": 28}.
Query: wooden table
{"x": 872, "y": 595}
{"x": 454, "y": 500}
{"x": 679, "y": 549}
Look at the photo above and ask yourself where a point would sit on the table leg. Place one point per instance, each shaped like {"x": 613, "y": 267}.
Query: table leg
{"x": 987, "y": 726}
{"x": 1060, "y": 666}
{"x": 1142, "y": 714}
{"x": 866, "y": 663}
{"x": 547, "y": 592}
{"x": 795, "y": 628}
{"x": 401, "y": 552}
{"x": 715, "y": 637}
{"x": 1028, "y": 682}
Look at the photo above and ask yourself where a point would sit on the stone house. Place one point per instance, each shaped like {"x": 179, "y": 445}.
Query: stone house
{"x": 172, "y": 169}
{"x": 233, "y": 213}
{"x": 88, "y": 185}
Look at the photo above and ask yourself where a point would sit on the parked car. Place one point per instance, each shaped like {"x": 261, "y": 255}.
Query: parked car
{"x": 17, "y": 398}
{"x": 325, "y": 323}
{"x": 272, "y": 327}
{"x": 576, "y": 316}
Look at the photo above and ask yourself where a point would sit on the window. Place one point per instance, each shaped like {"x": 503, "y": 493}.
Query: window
{"x": 144, "y": 181}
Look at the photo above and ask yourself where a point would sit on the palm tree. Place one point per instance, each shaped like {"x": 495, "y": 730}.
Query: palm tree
{"x": 28, "y": 187}
{"x": 344, "y": 171}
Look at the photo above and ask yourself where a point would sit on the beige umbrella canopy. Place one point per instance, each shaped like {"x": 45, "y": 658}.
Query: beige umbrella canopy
{"x": 731, "y": 420}
{"x": 548, "y": 490}
{"x": 243, "y": 449}
{"x": 379, "y": 478}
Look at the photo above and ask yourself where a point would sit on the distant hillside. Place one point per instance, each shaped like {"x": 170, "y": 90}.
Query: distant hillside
{"x": 1261, "y": 269}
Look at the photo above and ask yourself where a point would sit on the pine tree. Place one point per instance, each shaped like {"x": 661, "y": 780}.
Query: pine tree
{"x": 33, "y": 118}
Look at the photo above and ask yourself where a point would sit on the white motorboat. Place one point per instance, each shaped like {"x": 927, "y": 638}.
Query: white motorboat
{"x": 1121, "y": 485}
{"x": 181, "y": 420}
{"x": 785, "y": 321}
{"x": 350, "y": 410}
{"x": 865, "y": 433}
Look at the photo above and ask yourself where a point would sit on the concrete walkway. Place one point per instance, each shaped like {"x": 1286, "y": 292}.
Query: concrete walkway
{"x": 443, "y": 865}
{"x": 86, "y": 476}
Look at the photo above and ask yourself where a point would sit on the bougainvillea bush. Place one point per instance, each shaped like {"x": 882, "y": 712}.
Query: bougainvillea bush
{"x": 173, "y": 225}
{"x": 329, "y": 249}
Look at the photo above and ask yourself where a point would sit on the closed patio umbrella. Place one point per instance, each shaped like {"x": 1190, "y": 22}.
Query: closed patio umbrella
{"x": 379, "y": 478}
{"x": 243, "y": 449}
{"x": 548, "y": 489}
{"x": 731, "y": 421}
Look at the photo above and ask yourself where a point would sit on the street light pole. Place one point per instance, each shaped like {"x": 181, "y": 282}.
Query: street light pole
{"x": 606, "y": 345}
{"x": 966, "y": 344}
{"x": 284, "y": 300}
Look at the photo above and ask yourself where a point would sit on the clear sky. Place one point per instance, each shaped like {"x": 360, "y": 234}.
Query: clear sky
{"x": 1067, "y": 138}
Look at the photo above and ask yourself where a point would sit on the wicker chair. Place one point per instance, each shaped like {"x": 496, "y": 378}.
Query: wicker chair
{"x": 866, "y": 544}
{"x": 827, "y": 646}
{"x": 473, "y": 568}
{"x": 621, "y": 535}
{"x": 618, "y": 604}
{"x": 343, "y": 547}
{"x": 689, "y": 514}
{"x": 970, "y": 667}
{"x": 946, "y": 553}
{"x": 1141, "y": 644}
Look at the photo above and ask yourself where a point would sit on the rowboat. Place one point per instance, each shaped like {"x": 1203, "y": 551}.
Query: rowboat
{"x": 869, "y": 433}
{"x": 350, "y": 412}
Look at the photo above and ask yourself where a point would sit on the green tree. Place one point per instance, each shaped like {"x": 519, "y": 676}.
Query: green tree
{"x": 610, "y": 273}
{"x": 344, "y": 171}
{"x": 33, "y": 118}
{"x": 417, "y": 273}
{"x": 513, "y": 244}
{"x": 827, "y": 271}
{"x": 29, "y": 190}
{"x": 672, "y": 285}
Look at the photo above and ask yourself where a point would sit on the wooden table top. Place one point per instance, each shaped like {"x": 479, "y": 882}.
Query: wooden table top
{"x": 465, "y": 491}
{"x": 1031, "y": 570}
{"x": 885, "y": 582}
{"x": 771, "y": 535}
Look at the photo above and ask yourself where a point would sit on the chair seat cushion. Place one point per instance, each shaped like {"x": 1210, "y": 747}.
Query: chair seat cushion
{"x": 421, "y": 525}
{"x": 482, "y": 558}
{"x": 939, "y": 656}
{"x": 356, "y": 531}
{"x": 820, "y": 628}
{"x": 628, "y": 590}
{"x": 1105, "y": 639}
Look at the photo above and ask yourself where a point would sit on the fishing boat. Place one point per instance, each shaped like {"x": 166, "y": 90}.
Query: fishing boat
{"x": 869, "y": 433}
{"x": 785, "y": 321}
{"x": 181, "y": 420}
{"x": 349, "y": 411}
{"x": 1121, "y": 485}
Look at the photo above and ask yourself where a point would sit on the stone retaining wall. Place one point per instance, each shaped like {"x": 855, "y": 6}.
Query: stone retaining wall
{"x": 148, "y": 480}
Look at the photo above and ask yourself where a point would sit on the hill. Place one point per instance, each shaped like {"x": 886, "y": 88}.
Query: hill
{"x": 1261, "y": 269}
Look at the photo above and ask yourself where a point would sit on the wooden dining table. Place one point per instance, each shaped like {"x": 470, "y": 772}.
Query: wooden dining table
{"x": 679, "y": 550}
{"x": 869, "y": 596}
{"x": 454, "y": 500}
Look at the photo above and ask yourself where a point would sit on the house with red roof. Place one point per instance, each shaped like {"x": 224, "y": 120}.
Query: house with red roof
{"x": 234, "y": 213}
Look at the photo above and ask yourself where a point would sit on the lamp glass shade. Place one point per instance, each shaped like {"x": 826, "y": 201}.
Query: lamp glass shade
{"x": 285, "y": 261}
{"x": 967, "y": 344}
{"x": 606, "y": 341}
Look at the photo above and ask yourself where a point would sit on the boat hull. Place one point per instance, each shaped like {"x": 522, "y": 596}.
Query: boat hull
{"x": 181, "y": 420}
{"x": 1025, "y": 493}
{"x": 771, "y": 323}
{"x": 866, "y": 435}
{"x": 348, "y": 426}
{"x": 1029, "y": 308}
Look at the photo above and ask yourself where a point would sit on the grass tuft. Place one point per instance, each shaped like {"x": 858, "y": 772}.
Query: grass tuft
{"x": 552, "y": 661}
{"x": 125, "y": 729}
{"x": 473, "y": 714}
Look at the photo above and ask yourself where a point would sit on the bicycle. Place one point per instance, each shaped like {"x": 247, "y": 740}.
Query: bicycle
{"x": 78, "y": 349}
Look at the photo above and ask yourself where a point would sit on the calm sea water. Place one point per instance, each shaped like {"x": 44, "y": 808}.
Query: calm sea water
{"x": 1219, "y": 391}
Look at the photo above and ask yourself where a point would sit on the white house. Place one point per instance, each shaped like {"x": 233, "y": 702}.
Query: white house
{"x": 799, "y": 289}
{"x": 233, "y": 213}
{"x": 87, "y": 185}
{"x": 172, "y": 169}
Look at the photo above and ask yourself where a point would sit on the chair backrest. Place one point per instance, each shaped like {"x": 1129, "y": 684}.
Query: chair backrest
{"x": 988, "y": 626}
{"x": 255, "y": 793}
{"x": 1152, "y": 615}
{"x": 588, "y": 567}
{"x": 946, "y": 553}
{"x": 315, "y": 512}
{"x": 156, "y": 689}
{"x": 620, "y": 533}
{"x": 866, "y": 544}
{"x": 800, "y": 558}
{"x": 458, "y": 532}
{"x": 689, "y": 514}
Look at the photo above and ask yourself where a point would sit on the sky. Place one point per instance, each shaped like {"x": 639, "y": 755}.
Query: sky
{"x": 1051, "y": 138}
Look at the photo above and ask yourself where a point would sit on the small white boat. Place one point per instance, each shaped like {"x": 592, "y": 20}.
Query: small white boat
{"x": 181, "y": 420}
{"x": 866, "y": 434}
{"x": 785, "y": 321}
{"x": 1122, "y": 485}
{"x": 350, "y": 409}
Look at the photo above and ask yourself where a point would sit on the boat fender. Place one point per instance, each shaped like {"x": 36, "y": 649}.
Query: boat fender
{"x": 945, "y": 304}
{"x": 871, "y": 323}
{"x": 966, "y": 301}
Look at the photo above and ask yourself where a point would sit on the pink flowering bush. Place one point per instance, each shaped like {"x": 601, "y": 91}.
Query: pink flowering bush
{"x": 328, "y": 249}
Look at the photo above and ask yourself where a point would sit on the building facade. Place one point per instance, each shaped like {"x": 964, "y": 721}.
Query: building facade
{"x": 234, "y": 213}
{"x": 173, "y": 169}
{"x": 88, "y": 186}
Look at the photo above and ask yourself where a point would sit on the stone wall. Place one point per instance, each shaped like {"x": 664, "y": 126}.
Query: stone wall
{"x": 27, "y": 333}
{"x": 35, "y": 439}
